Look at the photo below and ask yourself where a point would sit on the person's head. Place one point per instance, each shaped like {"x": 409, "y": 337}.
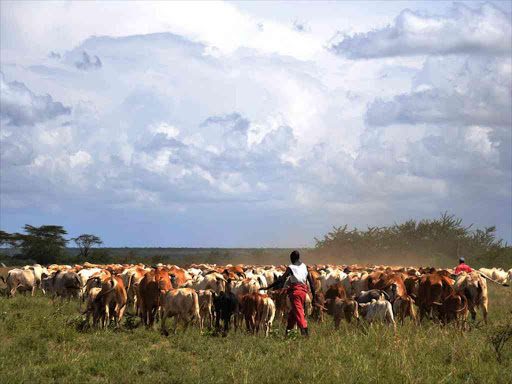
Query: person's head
{"x": 461, "y": 260}
{"x": 294, "y": 256}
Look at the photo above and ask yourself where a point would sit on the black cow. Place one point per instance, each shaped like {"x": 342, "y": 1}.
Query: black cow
{"x": 226, "y": 305}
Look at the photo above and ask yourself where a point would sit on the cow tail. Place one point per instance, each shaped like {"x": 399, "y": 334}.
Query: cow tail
{"x": 132, "y": 276}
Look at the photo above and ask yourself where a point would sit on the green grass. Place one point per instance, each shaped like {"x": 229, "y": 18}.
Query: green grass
{"x": 44, "y": 342}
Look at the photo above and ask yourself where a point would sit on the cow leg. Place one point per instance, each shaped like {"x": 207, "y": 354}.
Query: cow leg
{"x": 121, "y": 314}
{"x": 473, "y": 312}
{"x": 162, "y": 326}
{"x": 337, "y": 320}
{"x": 33, "y": 290}
{"x": 176, "y": 323}
{"x": 483, "y": 305}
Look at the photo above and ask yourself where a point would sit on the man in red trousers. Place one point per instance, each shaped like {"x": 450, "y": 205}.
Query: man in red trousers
{"x": 297, "y": 291}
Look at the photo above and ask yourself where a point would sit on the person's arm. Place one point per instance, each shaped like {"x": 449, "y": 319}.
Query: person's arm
{"x": 278, "y": 281}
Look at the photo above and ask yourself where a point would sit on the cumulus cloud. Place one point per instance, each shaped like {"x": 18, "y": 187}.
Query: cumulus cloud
{"x": 227, "y": 146}
{"x": 20, "y": 106}
{"x": 481, "y": 31}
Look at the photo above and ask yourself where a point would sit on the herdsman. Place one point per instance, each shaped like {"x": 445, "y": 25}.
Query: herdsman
{"x": 462, "y": 267}
{"x": 299, "y": 277}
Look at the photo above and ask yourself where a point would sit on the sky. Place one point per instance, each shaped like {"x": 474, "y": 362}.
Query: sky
{"x": 253, "y": 124}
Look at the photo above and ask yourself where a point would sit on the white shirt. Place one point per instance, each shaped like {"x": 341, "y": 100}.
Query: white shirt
{"x": 299, "y": 273}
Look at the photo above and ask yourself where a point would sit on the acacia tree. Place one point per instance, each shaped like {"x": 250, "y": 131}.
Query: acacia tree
{"x": 84, "y": 242}
{"x": 43, "y": 244}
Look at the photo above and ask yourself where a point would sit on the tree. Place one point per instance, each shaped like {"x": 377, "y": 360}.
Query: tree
{"x": 43, "y": 244}
{"x": 85, "y": 242}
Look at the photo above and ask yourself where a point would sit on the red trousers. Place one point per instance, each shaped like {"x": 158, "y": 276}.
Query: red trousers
{"x": 297, "y": 294}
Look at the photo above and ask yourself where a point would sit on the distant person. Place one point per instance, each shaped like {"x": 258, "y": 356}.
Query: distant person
{"x": 462, "y": 267}
{"x": 297, "y": 291}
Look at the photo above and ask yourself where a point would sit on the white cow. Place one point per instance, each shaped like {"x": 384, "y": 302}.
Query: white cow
{"x": 333, "y": 277}
{"x": 180, "y": 303}
{"x": 38, "y": 270}
{"x": 269, "y": 313}
{"x": 213, "y": 281}
{"x": 21, "y": 280}
{"x": 378, "y": 310}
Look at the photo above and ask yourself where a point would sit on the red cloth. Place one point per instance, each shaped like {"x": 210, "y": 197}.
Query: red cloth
{"x": 297, "y": 294}
{"x": 463, "y": 267}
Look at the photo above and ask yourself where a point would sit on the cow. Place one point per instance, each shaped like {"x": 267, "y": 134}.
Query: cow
{"x": 131, "y": 279}
{"x": 403, "y": 307}
{"x": 251, "y": 305}
{"x": 93, "y": 307}
{"x": 454, "y": 308}
{"x": 180, "y": 303}
{"x": 500, "y": 276}
{"x": 38, "y": 270}
{"x": 411, "y": 285}
{"x": 213, "y": 281}
{"x": 377, "y": 310}
{"x": 335, "y": 290}
{"x": 432, "y": 290}
{"x": 226, "y": 305}
{"x": 359, "y": 284}
{"x": 346, "y": 308}
{"x": 21, "y": 280}
{"x": 282, "y": 302}
{"x": 206, "y": 306}
{"x": 269, "y": 312}
{"x": 63, "y": 284}
{"x": 154, "y": 284}
{"x": 474, "y": 287}
{"x": 319, "y": 307}
{"x": 391, "y": 283}
{"x": 110, "y": 302}
{"x": 372, "y": 294}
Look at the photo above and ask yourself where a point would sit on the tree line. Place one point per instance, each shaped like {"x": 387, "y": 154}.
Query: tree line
{"x": 46, "y": 245}
{"x": 438, "y": 242}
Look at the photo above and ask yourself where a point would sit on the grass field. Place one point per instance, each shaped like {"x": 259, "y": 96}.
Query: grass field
{"x": 44, "y": 342}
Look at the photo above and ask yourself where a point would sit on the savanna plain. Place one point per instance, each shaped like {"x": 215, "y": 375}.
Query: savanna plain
{"x": 45, "y": 341}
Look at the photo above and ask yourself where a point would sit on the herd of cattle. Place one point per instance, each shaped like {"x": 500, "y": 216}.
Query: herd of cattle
{"x": 230, "y": 293}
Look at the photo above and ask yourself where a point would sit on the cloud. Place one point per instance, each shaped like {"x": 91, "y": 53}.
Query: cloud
{"x": 229, "y": 145}
{"x": 86, "y": 63}
{"x": 20, "y": 106}
{"x": 486, "y": 30}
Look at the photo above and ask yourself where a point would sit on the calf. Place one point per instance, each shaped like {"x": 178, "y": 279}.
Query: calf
{"x": 319, "y": 307}
{"x": 252, "y": 308}
{"x": 378, "y": 310}
{"x": 403, "y": 307}
{"x": 180, "y": 303}
{"x": 346, "y": 308}
{"x": 454, "y": 308}
{"x": 206, "y": 306}
{"x": 93, "y": 306}
{"x": 269, "y": 312}
{"x": 226, "y": 305}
